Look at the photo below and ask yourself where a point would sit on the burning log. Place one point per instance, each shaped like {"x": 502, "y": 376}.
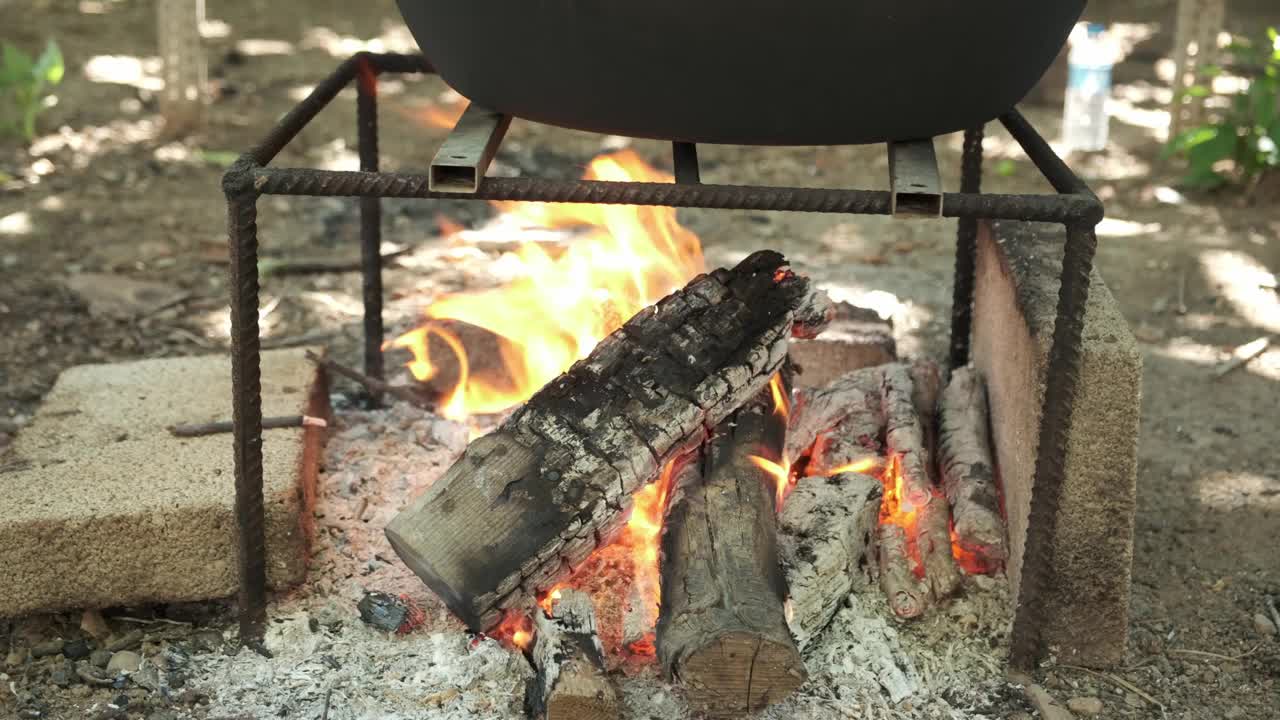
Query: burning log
{"x": 816, "y": 411}
{"x": 571, "y": 681}
{"x": 523, "y": 505}
{"x": 825, "y": 532}
{"x": 907, "y": 596}
{"x": 968, "y": 473}
{"x": 722, "y": 629}
{"x": 907, "y": 413}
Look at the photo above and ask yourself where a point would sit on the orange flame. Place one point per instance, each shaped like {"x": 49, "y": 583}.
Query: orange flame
{"x": 626, "y": 258}
{"x": 860, "y": 465}
{"x": 443, "y": 116}
{"x": 780, "y": 471}
{"x": 643, "y": 534}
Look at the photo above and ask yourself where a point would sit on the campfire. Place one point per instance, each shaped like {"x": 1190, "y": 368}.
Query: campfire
{"x": 650, "y": 412}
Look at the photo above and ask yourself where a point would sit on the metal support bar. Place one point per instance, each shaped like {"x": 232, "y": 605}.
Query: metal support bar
{"x": 914, "y": 187}
{"x": 370, "y": 221}
{"x": 246, "y": 399}
{"x": 1048, "y": 163}
{"x": 684, "y": 158}
{"x": 1027, "y": 645}
{"x": 966, "y": 249}
{"x": 462, "y": 160}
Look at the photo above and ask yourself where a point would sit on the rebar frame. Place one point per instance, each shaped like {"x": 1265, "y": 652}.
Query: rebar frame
{"x": 1074, "y": 206}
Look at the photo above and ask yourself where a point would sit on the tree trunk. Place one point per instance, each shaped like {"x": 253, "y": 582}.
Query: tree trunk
{"x": 522, "y": 507}
{"x": 571, "y": 683}
{"x": 722, "y": 629}
{"x": 968, "y": 473}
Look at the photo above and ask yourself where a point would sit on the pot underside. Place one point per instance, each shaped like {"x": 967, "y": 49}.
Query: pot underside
{"x": 750, "y": 72}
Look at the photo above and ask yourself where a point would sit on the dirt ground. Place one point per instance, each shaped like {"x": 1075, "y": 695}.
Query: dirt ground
{"x": 102, "y": 191}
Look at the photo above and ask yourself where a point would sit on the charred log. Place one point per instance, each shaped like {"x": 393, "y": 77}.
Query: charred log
{"x": 816, "y": 411}
{"x": 722, "y": 629}
{"x": 907, "y": 597}
{"x": 968, "y": 473}
{"x": 571, "y": 683}
{"x": 524, "y": 505}
{"x": 907, "y": 413}
{"x": 825, "y": 532}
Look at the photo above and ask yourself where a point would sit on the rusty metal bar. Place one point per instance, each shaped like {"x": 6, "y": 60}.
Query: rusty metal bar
{"x": 370, "y": 220}
{"x": 246, "y": 399}
{"x": 1027, "y": 646}
{"x": 303, "y": 113}
{"x": 684, "y": 158}
{"x": 1047, "y": 161}
{"x": 966, "y": 249}
{"x": 915, "y": 189}
{"x": 460, "y": 164}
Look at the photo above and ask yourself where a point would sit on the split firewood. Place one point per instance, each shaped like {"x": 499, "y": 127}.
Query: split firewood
{"x": 856, "y": 338}
{"x": 968, "y": 473}
{"x": 908, "y": 445}
{"x": 722, "y": 628}
{"x": 571, "y": 683}
{"x": 825, "y": 531}
{"x": 817, "y": 410}
{"x": 907, "y": 597}
{"x": 521, "y": 508}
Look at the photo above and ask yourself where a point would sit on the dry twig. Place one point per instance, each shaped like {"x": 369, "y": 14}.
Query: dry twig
{"x": 225, "y": 426}
{"x": 1242, "y": 355}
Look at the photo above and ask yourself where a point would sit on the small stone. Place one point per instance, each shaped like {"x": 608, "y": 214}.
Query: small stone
{"x": 100, "y": 658}
{"x": 208, "y": 641}
{"x": 1020, "y": 716}
{"x": 383, "y": 611}
{"x": 76, "y": 649}
{"x": 1085, "y": 705}
{"x": 1235, "y": 711}
{"x": 63, "y": 674}
{"x": 125, "y": 661}
{"x": 47, "y": 648}
{"x": 1133, "y": 700}
{"x": 16, "y": 657}
{"x": 93, "y": 623}
{"x": 1263, "y": 625}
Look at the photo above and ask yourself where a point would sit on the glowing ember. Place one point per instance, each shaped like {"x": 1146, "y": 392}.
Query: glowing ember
{"x": 643, "y": 534}
{"x": 625, "y": 259}
{"x": 516, "y": 630}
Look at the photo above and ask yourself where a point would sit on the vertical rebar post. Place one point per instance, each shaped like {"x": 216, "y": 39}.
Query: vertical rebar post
{"x": 370, "y": 218}
{"x": 684, "y": 159}
{"x": 246, "y": 398}
{"x": 966, "y": 250}
{"x": 1063, "y": 374}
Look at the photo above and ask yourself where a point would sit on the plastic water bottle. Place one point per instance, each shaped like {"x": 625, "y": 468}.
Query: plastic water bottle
{"x": 1084, "y": 119}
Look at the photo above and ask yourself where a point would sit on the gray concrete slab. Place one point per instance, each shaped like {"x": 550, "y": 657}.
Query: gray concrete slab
{"x": 1015, "y": 306}
{"x": 115, "y": 510}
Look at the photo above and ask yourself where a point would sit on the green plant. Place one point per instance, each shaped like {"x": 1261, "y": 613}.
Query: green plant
{"x": 23, "y": 85}
{"x": 1248, "y": 132}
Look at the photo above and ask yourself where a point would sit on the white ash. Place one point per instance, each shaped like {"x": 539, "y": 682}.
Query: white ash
{"x": 865, "y": 664}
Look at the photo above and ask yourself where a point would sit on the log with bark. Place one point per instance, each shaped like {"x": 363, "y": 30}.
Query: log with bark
{"x": 826, "y": 532}
{"x": 816, "y": 411}
{"x": 570, "y": 683}
{"x": 524, "y": 505}
{"x": 907, "y": 412}
{"x": 968, "y": 473}
{"x": 722, "y": 628}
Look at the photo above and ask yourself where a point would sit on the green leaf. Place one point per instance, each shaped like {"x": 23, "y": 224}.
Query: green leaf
{"x": 1211, "y": 71}
{"x": 1205, "y": 154}
{"x": 1006, "y": 167}
{"x": 221, "y": 158}
{"x": 50, "y": 67}
{"x": 1273, "y": 35}
{"x": 1188, "y": 139}
{"x": 1196, "y": 91}
{"x": 17, "y": 64}
{"x": 1204, "y": 179}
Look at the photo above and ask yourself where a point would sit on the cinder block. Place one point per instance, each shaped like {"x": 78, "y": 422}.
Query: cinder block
{"x": 115, "y": 510}
{"x": 1015, "y": 305}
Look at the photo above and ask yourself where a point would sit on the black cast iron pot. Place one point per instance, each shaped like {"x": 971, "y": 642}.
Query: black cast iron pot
{"x": 751, "y": 72}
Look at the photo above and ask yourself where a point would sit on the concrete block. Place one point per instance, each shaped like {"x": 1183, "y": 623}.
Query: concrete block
{"x": 856, "y": 338}
{"x": 112, "y": 509}
{"x": 1015, "y": 305}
